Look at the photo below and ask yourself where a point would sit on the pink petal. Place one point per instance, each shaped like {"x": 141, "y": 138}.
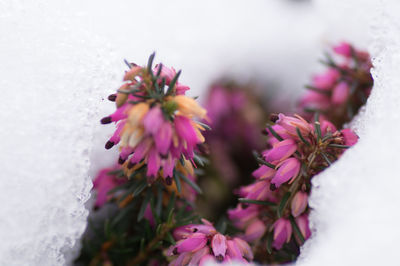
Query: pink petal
{"x": 185, "y": 130}
{"x": 153, "y": 120}
{"x": 288, "y": 169}
{"x": 163, "y": 137}
{"x": 218, "y": 245}
{"x": 281, "y": 151}
{"x": 194, "y": 242}
{"x": 340, "y": 93}
{"x": 153, "y": 162}
{"x": 264, "y": 172}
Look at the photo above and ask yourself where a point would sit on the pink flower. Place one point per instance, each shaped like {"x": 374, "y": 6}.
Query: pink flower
{"x": 340, "y": 93}
{"x": 153, "y": 120}
{"x": 281, "y": 151}
{"x": 299, "y": 203}
{"x": 288, "y": 169}
{"x": 291, "y": 123}
{"x": 244, "y": 248}
{"x": 103, "y": 183}
{"x": 163, "y": 137}
{"x": 241, "y": 216}
{"x": 314, "y": 99}
{"x": 282, "y": 233}
{"x": 326, "y": 80}
{"x": 264, "y": 172}
{"x": 255, "y": 230}
{"x": 166, "y": 72}
{"x": 185, "y": 130}
{"x": 344, "y": 49}
{"x": 218, "y": 245}
{"x": 350, "y": 138}
{"x": 302, "y": 223}
{"x": 193, "y": 242}
{"x": 257, "y": 191}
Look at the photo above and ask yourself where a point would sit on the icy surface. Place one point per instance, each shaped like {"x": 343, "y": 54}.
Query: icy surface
{"x": 356, "y": 201}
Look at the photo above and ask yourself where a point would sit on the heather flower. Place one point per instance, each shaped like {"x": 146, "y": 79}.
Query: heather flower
{"x": 299, "y": 203}
{"x": 198, "y": 243}
{"x": 282, "y": 232}
{"x": 103, "y": 183}
{"x": 155, "y": 124}
{"x": 343, "y": 88}
{"x": 302, "y": 223}
{"x": 297, "y": 151}
{"x": 288, "y": 169}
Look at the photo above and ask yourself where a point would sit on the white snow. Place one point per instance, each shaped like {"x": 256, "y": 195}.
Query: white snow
{"x": 59, "y": 59}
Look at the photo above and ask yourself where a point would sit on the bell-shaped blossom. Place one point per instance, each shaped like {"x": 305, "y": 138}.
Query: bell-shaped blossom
{"x": 344, "y": 49}
{"x": 326, "y": 80}
{"x": 282, "y": 233}
{"x": 350, "y": 138}
{"x": 340, "y": 93}
{"x": 299, "y": 203}
{"x": 302, "y": 223}
{"x": 255, "y": 230}
{"x": 288, "y": 169}
{"x": 103, "y": 183}
{"x": 280, "y": 151}
{"x": 290, "y": 124}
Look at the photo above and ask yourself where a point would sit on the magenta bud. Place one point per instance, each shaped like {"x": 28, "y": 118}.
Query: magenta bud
{"x": 299, "y": 203}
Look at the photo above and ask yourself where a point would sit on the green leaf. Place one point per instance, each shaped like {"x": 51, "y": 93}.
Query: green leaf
{"x": 173, "y": 82}
{"x": 283, "y": 203}
{"x": 326, "y": 158}
{"x": 143, "y": 207}
{"x": 198, "y": 160}
{"x": 273, "y": 132}
{"x": 178, "y": 182}
{"x": 317, "y": 126}
{"x": 301, "y": 137}
{"x": 159, "y": 200}
{"x": 204, "y": 125}
{"x": 127, "y": 63}
{"x": 170, "y": 208}
{"x": 261, "y": 161}
{"x": 153, "y": 210}
{"x": 259, "y": 202}
{"x": 140, "y": 187}
{"x": 338, "y": 146}
{"x": 170, "y": 238}
{"x": 150, "y": 62}
{"x": 296, "y": 230}
{"x": 325, "y": 92}
{"x": 270, "y": 237}
{"x": 190, "y": 183}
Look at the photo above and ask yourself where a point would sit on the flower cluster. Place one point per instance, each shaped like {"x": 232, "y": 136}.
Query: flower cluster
{"x": 199, "y": 244}
{"x": 154, "y": 120}
{"x": 343, "y": 88}
{"x": 278, "y": 200}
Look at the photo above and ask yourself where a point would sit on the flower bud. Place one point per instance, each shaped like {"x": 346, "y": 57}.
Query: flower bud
{"x": 299, "y": 203}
